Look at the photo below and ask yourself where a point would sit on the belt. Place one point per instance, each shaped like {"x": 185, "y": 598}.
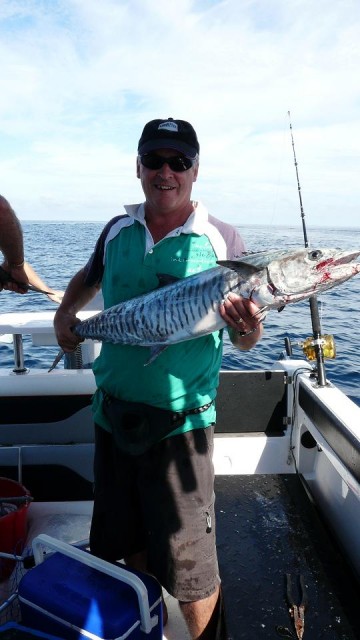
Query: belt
{"x": 175, "y": 416}
{"x": 178, "y": 415}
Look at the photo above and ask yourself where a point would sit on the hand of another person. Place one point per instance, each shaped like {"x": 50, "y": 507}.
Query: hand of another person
{"x": 19, "y": 274}
{"x": 55, "y": 296}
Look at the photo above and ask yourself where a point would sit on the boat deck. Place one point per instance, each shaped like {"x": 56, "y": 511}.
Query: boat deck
{"x": 267, "y": 527}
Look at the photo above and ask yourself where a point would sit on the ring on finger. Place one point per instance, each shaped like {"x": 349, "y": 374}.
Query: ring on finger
{"x": 239, "y": 321}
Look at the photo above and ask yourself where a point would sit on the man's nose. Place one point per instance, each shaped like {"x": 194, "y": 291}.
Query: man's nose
{"x": 165, "y": 171}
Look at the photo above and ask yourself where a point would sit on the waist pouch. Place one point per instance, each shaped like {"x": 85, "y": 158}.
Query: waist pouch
{"x": 137, "y": 426}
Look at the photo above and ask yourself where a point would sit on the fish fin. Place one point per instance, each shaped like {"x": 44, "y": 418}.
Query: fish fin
{"x": 155, "y": 352}
{"x": 165, "y": 279}
{"x": 242, "y": 268}
{"x": 59, "y": 356}
{"x": 258, "y": 259}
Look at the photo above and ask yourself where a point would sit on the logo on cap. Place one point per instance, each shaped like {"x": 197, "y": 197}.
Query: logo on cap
{"x": 169, "y": 126}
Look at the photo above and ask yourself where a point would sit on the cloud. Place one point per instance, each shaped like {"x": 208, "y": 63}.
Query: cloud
{"x": 80, "y": 79}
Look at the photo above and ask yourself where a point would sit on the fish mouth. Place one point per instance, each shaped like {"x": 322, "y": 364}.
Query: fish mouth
{"x": 343, "y": 257}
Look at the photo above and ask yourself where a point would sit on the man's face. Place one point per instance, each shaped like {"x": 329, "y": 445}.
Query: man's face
{"x": 165, "y": 188}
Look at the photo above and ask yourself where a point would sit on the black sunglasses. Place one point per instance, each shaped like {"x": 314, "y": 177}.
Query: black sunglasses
{"x": 176, "y": 163}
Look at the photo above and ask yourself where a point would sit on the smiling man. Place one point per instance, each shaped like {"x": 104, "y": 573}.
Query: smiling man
{"x": 154, "y": 477}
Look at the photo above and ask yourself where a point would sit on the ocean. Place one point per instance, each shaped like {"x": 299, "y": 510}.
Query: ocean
{"x": 56, "y": 250}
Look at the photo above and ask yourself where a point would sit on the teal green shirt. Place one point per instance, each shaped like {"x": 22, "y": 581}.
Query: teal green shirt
{"x": 184, "y": 375}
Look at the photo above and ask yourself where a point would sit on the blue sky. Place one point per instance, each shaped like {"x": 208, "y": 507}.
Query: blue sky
{"x": 80, "y": 78}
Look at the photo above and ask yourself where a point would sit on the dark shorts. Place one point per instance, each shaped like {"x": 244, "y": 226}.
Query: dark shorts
{"x": 161, "y": 501}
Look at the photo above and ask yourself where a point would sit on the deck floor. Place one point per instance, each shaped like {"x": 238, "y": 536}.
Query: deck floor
{"x": 267, "y": 527}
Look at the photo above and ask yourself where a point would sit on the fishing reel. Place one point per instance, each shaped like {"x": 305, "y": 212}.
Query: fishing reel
{"x": 326, "y": 342}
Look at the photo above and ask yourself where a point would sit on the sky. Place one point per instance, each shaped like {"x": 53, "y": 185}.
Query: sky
{"x": 80, "y": 78}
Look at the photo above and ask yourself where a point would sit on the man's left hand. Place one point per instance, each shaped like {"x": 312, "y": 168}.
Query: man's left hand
{"x": 242, "y": 317}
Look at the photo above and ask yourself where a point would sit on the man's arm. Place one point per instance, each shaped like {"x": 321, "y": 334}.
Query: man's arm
{"x": 12, "y": 246}
{"x": 76, "y": 296}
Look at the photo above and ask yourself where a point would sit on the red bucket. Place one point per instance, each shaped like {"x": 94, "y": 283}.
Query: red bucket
{"x": 14, "y": 504}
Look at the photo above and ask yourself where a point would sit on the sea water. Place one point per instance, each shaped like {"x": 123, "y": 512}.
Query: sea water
{"x": 57, "y": 250}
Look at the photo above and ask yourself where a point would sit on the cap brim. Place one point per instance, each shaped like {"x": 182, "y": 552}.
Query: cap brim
{"x": 168, "y": 143}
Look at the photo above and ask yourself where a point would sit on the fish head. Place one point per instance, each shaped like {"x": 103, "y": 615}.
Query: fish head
{"x": 297, "y": 275}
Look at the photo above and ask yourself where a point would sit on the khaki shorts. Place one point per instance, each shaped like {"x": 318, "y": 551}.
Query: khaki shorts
{"x": 161, "y": 501}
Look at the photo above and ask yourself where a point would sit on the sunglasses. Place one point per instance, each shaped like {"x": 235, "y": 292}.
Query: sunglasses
{"x": 176, "y": 163}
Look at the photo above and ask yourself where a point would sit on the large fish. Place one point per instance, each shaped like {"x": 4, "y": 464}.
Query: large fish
{"x": 188, "y": 308}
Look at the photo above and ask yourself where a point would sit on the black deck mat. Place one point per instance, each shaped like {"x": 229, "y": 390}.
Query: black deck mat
{"x": 267, "y": 527}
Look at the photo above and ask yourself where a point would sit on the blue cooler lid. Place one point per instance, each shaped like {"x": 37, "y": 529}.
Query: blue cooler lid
{"x": 84, "y": 597}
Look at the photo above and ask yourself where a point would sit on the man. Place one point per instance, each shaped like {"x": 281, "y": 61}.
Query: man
{"x": 12, "y": 246}
{"x": 155, "y": 505}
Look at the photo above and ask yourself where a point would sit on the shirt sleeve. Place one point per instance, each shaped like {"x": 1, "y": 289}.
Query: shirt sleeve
{"x": 235, "y": 245}
{"x": 94, "y": 269}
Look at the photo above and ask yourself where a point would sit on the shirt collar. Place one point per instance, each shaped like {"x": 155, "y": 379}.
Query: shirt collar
{"x": 195, "y": 223}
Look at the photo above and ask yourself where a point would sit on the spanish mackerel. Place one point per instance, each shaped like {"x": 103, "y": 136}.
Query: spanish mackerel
{"x": 188, "y": 308}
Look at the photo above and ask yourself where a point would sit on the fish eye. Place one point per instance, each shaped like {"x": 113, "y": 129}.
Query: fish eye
{"x": 315, "y": 255}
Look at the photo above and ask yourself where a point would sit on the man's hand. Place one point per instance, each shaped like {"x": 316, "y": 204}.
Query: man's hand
{"x": 241, "y": 316}
{"x": 63, "y": 321}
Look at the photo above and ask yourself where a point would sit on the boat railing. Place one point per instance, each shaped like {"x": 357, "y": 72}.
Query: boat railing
{"x": 39, "y": 326}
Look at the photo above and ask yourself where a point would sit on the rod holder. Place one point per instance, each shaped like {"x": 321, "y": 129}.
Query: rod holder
{"x": 19, "y": 368}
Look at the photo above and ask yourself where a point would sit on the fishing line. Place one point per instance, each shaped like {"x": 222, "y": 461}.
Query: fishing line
{"x": 306, "y": 243}
{"x": 314, "y": 307}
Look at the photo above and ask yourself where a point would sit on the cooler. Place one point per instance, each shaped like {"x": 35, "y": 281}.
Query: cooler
{"x": 75, "y": 595}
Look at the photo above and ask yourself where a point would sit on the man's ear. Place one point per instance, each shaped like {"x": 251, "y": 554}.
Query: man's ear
{"x": 137, "y": 167}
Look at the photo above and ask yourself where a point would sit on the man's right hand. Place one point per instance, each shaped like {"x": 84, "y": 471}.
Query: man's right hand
{"x": 63, "y": 322}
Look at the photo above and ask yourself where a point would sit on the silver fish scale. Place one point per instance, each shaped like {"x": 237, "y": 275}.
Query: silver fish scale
{"x": 166, "y": 315}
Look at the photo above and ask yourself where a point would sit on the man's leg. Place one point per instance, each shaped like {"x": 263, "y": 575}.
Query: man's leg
{"x": 181, "y": 525}
{"x": 116, "y": 526}
{"x": 206, "y": 618}
{"x": 138, "y": 561}
{"x": 199, "y": 616}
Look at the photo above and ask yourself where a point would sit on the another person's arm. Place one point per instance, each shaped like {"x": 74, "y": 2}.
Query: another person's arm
{"x": 12, "y": 246}
{"x": 34, "y": 279}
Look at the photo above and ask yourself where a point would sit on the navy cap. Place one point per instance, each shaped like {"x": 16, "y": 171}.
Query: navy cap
{"x": 169, "y": 134}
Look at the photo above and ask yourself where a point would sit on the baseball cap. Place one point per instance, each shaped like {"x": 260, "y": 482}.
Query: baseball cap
{"x": 171, "y": 134}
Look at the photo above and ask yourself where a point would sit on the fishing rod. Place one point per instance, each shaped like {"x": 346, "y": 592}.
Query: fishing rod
{"x": 313, "y": 302}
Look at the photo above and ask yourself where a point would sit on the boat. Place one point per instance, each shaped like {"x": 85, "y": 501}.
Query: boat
{"x": 287, "y": 465}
